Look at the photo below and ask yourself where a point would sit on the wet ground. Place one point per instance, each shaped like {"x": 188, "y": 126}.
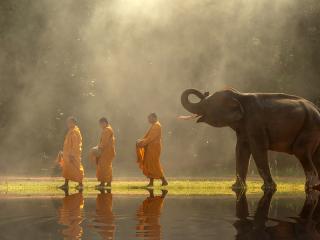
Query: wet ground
{"x": 157, "y": 215}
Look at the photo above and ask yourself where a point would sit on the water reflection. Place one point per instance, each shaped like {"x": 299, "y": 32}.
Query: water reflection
{"x": 103, "y": 222}
{"x": 260, "y": 226}
{"x": 157, "y": 216}
{"x": 70, "y": 215}
{"x": 148, "y": 216}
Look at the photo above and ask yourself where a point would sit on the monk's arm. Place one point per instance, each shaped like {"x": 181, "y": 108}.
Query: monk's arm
{"x": 153, "y": 134}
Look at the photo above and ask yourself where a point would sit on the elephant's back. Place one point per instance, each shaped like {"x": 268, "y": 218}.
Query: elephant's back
{"x": 286, "y": 117}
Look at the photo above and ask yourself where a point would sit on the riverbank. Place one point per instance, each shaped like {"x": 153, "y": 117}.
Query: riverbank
{"x": 48, "y": 186}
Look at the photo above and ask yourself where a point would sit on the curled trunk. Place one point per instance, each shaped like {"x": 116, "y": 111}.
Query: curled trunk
{"x": 195, "y": 108}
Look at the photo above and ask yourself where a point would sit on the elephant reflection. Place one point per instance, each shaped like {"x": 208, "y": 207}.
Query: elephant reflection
{"x": 71, "y": 216}
{"x": 103, "y": 221}
{"x": 306, "y": 226}
{"x": 148, "y": 216}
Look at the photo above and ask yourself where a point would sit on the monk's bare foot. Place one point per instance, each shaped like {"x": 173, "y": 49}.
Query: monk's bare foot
{"x": 79, "y": 187}
{"x": 164, "y": 183}
{"x": 64, "y": 187}
{"x": 149, "y": 185}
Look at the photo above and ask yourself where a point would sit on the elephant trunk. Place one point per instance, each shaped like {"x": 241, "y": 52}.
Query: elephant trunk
{"x": 195, "y": 108}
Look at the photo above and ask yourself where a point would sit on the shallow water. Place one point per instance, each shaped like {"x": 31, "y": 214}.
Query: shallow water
{"x": 108, "y": 216}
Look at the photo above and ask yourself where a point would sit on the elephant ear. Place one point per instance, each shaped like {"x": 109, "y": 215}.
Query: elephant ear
{"x": 233, "y": 110}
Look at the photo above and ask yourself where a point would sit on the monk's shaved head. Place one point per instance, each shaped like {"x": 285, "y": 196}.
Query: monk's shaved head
{"x": 71, "y": 122}
{"x": 152, "y": 118}
{"x": 72, "y": 119}
{"x": 103, "y": 120}
{"x": 154, "y": 115}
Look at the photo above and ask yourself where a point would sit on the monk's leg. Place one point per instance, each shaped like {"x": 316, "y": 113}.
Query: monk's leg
{"x": 109, "y": 184}
{"x": 164, "y": 181}
{"x": 150, "y": 182}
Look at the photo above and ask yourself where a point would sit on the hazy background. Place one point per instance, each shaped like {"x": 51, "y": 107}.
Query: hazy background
{"x": 126, "y": 58}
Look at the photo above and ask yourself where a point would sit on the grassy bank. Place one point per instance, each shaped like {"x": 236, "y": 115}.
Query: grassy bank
{"x": 38, "y": 186}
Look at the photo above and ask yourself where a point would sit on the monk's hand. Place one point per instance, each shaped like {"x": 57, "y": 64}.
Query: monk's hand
{"x": 140, "y": 143}
{"x": 60, "y": 154}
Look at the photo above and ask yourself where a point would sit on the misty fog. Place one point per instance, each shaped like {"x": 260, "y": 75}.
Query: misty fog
{"x": 124, "y": 59}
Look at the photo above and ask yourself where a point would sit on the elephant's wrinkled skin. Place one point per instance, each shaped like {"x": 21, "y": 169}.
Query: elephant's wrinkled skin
{"x": 262, "y": 122}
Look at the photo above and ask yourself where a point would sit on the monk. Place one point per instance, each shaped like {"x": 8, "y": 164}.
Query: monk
{"x": 70, "y": 158}
{"x": 148, "y": 216}
{"x": 103, "y": 154}
{"x": 149, "y": 150}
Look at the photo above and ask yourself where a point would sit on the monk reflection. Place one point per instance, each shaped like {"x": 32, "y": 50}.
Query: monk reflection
{"x": 103, "y": 222}
{"x": 148, "y": 216}
{"x": 70, "y": 215}
{"x": 306, "y": 226}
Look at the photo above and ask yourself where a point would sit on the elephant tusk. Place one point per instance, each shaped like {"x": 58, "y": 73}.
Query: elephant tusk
{"x": 189, "y": 117}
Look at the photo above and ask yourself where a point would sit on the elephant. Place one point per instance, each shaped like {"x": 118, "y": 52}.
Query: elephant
{"x": 263, "y": 122}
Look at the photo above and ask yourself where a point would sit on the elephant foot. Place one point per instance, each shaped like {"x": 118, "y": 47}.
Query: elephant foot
{"x": 239, "y": 185}
{"x": 269, "y": 186}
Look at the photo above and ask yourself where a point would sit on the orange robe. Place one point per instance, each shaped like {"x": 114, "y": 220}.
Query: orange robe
{"x": 149, "y": 218}
{"x": 72, "y": 170}
{"x": 104, "y": 220}
{"x": 149, "y": 155}
{"x": 70, "y": 215}
{"x": 104, "y": 161}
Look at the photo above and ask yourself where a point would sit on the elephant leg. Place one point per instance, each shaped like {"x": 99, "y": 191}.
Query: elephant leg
{"x": 242, "y": 162}
{"x": 309, "y": 170}
{"x": 260, "y": 155}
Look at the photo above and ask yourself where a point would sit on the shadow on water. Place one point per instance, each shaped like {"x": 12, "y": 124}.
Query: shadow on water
{"x": 158, "y": 216}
